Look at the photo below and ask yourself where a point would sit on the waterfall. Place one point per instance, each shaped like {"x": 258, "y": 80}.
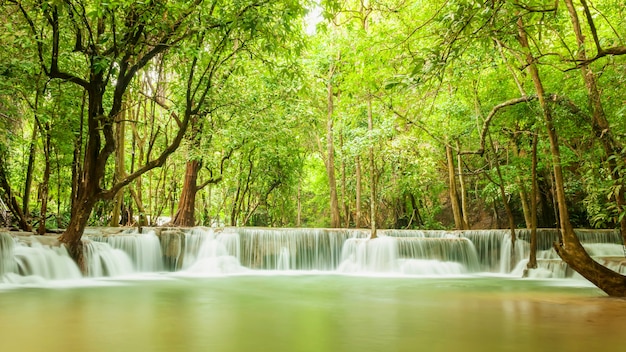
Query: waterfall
{"x": 209, "y": 253}
{"x": 488, "y": 246}
{"x": 443, "y": 254}
{"x": 7, "y": 243}
{"x": 32, "y": 259}
{"x": 103, "y": 260}
{"x": 379, "y": 255}
{"x": 509, "y": 257}
{"x": 144, "y": 249}
{"x": 448, "y": 248}
{"x": 303, "y": 249}
{"x": 283, "y": 259}
{"x": 237, "y": 250}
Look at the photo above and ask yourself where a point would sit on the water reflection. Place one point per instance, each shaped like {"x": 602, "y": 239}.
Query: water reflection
{"x": 313, "y": 313}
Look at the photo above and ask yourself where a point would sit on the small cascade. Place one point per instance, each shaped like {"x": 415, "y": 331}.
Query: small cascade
{"x": 445, "y": 255}
{"x": 303, "y": 249}
{"x": 550, "y": 265}
{"x": 378, "y": 255}
{"x": 488, "y": 245}
{"x": 103, "y": 260}
{"x": 283, "y": 259}
{"x": 30, "y": 258}
{"x": 7, "y": 243}
{"x": 210, "y": 253}
{"x": 144, "y": 249}
{"x": 193, "y": 241}
{"x": 617, "y": 266}
{"x": 448, "y": 248}
{"x": 509, "y": 257}
{"x": 604, "y": 249}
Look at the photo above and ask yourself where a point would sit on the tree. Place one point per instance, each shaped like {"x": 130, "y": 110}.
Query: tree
{"x": 112, "y": 43}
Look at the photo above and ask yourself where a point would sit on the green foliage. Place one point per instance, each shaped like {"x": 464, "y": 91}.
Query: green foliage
{"x": 256, "y": 90}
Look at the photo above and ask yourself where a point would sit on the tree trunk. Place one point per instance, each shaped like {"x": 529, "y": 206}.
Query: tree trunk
{"x": 88, "y": 188}
{"x": 299, "y": 200}
{"x": 373, "y": 197}
{"x": 464, "y": 212}
{"x": 45, "y": 183}
{"x": 29, "y": 171}
{"x": 335, "y": 217}
{"x": 415, "y": 214}
{"x": 532, "y": 260}
{"x": 185, "y": 215}
{"x": 454, "y": 199}
{"x": 120, "y": 170}
{"x": 523, "y": 194}
{"x": 344, "y": 200}
{"x": 136, "y": 195}
{"x": 357, "y": 210}
{"x": 569, "y": 249}
{"x": 11, "y": 201}
{"x": 77, "y": 154}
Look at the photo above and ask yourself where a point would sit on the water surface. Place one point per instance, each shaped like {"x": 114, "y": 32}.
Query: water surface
{"x": 313, "y": 313}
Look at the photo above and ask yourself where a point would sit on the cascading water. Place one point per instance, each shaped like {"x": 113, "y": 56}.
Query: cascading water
{"x": 6, "y": 254}
{"x": 237, "y": 250}
{"x": 509, "y": 256}
{"x": 443, "y": 254}
{"x": 379, "y": 255}
{"x": 209, "y": 253}
{"x": 296, "y": 249}
{"x": 103, "y": 260}
{"x": 144, "y": 249}
{"x": 29, "y": 261}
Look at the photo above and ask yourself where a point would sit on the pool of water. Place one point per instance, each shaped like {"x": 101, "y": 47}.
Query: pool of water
{"x": 312, "y": 313}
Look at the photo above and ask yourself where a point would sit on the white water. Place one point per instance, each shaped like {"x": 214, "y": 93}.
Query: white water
{"x": 144, "y": 250}
{"x": 6, "y": 253}
{"x": 204, "y": 251}
{"x": 208, "y": 253}
{"x": 103, "y": 260}
{"x": 31, "y": 261}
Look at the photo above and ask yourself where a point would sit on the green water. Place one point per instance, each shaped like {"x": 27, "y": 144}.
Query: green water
{"x": 313, "y": 313}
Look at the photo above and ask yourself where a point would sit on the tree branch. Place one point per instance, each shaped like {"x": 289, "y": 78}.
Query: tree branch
{"x": 492, "y": 114}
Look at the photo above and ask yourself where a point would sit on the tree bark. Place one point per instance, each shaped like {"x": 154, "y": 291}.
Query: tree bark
{"x": 357, "y": 210}
{"x": 335, "y": 217}
{"x": 45, "y": 182}
{"x": 344, "y": 200}
{"x": 454, "y": 198}
{"x": 532, "y": 259}
{"x": 523, "y": 194}
{"x": 120, "y": 170}
{"x": 464, "y": 212}
{"x": 11, "y": 201}
{"x": 569, "y": 248}
{"x": 299, "y": 200}
{"x": 29, "y": 170}
{"x": 77, "y": 154}
{"x": 373, "y": 192}
{"x": 185, "y": 215}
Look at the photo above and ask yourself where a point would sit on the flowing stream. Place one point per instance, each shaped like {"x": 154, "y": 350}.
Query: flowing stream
{"x": 249, "y": 289}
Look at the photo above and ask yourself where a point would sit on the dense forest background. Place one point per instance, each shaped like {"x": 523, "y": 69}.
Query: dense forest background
{"x": 379, "y": 113}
